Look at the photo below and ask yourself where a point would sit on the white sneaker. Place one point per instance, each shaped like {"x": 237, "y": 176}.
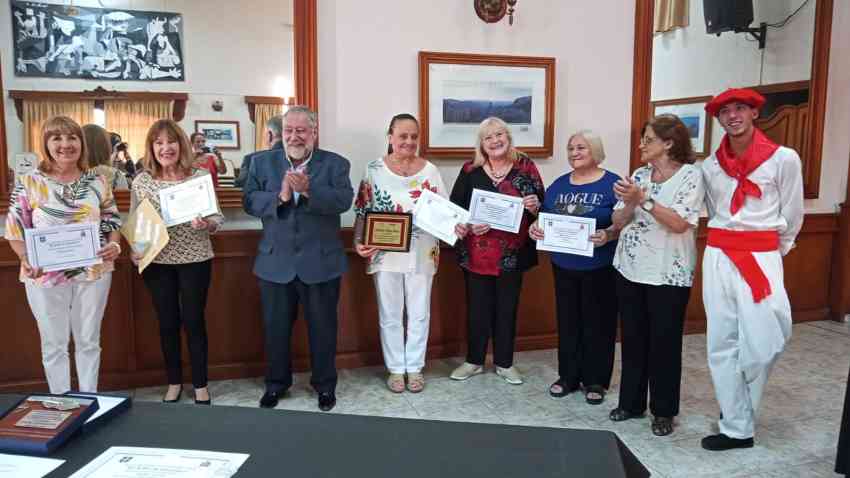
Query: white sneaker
{"x": 465, "y": 371}
{"x": 510, "y": 374}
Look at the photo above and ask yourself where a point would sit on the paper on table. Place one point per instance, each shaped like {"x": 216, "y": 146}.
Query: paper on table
{"x": 139, "y": 462}
{"x": 146, "y": 233}
{"x": 438, "y": 216}
{"x": 16, "y": 466}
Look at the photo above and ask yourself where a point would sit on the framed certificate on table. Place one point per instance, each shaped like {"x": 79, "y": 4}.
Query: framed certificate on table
{"x": 186, "y": 201}
{"x": 438, "y": 216}
{"x": 59, "y": 248}
{"x": 388, "y": 231}
{"x": 39, "y": 424}
{"x": 500, "y": 211}
{"x": 566, "y": 234}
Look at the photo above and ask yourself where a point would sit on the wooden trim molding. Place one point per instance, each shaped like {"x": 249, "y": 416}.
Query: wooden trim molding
{"x": 306, "y": 44}
{"x": 100, "y": 94}
{"x": 253, "y": 101}
{"x": 817, "y": 85}
{"x": 839, "y": 284}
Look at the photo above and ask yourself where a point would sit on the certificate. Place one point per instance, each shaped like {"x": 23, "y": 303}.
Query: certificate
{"x": 438, "y": 216}
{"x": 186, "y": 201}
{"x": 16, "y": 466}
{"x": 60, "y": 248}
{"x": 138, "y": 462}
{"x": 567, "y": 234}
{"x": 388, "y": 231}
{"x": 500, "y": 211}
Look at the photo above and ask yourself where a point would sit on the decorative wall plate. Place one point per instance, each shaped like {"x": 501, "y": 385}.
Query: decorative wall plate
{"x": 491, "y": 11}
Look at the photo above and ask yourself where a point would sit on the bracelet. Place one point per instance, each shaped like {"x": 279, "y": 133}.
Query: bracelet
{"x": 117, "y": 245}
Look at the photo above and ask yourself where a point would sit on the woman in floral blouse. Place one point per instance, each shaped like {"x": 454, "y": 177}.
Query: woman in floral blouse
{"x": 61, "y": 191}
{"x": 393, "y": 183}
{"x": 658, "y": 212}
{"x": 494, "y": 261}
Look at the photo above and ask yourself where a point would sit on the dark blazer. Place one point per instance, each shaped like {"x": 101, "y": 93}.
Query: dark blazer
{"x": 299, "y": 239}
{"x": 246, "y": 163}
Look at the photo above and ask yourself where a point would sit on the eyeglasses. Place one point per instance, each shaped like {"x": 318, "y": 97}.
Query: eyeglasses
{"x": 648, "y": 140}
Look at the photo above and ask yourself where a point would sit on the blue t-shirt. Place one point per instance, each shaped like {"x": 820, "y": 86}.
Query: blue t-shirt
{"x": 594, "y": 200}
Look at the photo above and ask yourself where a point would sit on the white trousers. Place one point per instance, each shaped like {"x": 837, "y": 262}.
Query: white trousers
{"x": 394, "y": 291}
{"x": 75, "y": 308}
{"x": 745, "y": 339}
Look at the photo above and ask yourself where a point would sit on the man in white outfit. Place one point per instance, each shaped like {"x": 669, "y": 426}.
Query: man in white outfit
{"x": 754, "y": 196}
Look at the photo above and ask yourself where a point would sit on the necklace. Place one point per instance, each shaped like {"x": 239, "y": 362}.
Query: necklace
{"x": 497, "y": 177}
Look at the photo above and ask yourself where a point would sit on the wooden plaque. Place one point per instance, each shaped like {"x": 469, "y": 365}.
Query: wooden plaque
{"x": 388, "y": 231}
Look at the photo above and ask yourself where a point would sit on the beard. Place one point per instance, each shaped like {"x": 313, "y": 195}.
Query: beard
{"x": 298, "y": 152}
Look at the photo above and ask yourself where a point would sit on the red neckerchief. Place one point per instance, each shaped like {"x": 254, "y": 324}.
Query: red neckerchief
{"x": 759, "y": 151}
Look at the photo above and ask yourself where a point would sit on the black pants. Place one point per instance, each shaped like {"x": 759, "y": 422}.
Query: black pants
{"x": 587, "y": 325}
{"x": 491, "y": 303}
{"x": 179, "y": 293}
{"x": 280, "y": 310}
{"x": 653, "y": 318}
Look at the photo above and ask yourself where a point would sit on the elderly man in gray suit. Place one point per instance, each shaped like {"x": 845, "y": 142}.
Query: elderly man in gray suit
{"x": 299, "y": 195}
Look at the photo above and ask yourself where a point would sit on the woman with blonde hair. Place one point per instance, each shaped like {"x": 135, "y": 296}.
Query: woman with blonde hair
{"x": 586, "y": 310}
{"x": 179, "y": 276}
{"x": 493, "y": 261}
{"x": 99, "y": 156}
{"x": 64, "y": 190}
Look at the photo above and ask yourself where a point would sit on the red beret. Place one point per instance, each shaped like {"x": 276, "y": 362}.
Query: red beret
{"x": 743, "y": 95}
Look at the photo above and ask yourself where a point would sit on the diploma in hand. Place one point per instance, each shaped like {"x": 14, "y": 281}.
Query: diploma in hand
{"x": 60, "y": 248}
{"x": 388, "y": 231}
{"x": 438, "y": 216}
{"x": 145, "y": 232}
{"x": 500, "y": 211}
{"x": 567, "y": 234}
{"x": 188, "y": 200}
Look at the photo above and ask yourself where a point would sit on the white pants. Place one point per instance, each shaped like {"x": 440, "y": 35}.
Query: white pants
{"x": 394, "y": 290}
{"x": 73, "y": 308}
{"x": 745, "y": 338}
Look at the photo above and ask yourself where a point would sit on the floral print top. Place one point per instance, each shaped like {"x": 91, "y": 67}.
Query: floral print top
{"x": 497, "y": 251}
{"x": 648, "y": 252}
{"x": 382, "y": 190}
{"x": 40, "y": 201}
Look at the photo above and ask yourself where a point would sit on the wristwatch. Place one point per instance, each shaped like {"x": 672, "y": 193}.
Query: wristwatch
{"x": 647, "y": 205}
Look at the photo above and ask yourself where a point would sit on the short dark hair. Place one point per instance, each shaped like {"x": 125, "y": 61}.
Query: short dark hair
{"x": 668, "y": 127}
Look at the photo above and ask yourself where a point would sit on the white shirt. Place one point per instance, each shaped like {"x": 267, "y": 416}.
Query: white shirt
{"x": 650, "y": 253}
{"x": 383, "y": 190}
{"x": 780, "y": 207}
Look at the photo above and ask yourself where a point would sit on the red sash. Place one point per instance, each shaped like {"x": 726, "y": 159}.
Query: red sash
{"x": 739, "y": 167}
{"x": 738, "y": 247}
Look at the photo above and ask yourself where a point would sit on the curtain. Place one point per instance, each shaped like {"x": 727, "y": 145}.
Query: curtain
{"x": 37, "y": 112}
{"x": 670, "y": 14}
{"x": 132, "y": 119}
{"x": 262, "y": 113}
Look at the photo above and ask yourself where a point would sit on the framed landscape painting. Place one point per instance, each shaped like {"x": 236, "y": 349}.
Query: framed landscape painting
{"x": 458, "y": 91}
{"x": 221, "y": 134}
{"x": 692, "y": 112}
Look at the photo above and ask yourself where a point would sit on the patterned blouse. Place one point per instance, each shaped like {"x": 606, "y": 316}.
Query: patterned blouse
{"x": 185, "y": 244}
{"x": 648, "y": 252}
{"x": 40, "y": 201}
{"x": 497, "y": 251}
{"x": 383, "y": 190}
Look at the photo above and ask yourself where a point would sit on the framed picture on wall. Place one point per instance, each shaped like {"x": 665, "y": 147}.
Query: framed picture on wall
{"x": 221, "y": 134}
{"x": 692, "y": 112}
{"x": 457, "y": 91}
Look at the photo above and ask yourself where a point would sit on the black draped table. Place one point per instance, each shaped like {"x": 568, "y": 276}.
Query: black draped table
{"x": 290, "y": 443}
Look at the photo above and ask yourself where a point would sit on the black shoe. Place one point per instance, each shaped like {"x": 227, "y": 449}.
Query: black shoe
{"x": 721, "y": 442}
{"x": 327, "y": 400}
{"x": 203, "y": 402}
{"x": 270, "y": 399}
{"x": 179, "y": 394}
{"x": 621, "y": 414}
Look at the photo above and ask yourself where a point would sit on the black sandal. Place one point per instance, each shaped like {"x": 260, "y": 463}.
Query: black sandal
{"x": 565, "y": 389}
{"x": 662, "y": 426}
{"x": 594, "y": 389}
{"x": 620, "y": 414}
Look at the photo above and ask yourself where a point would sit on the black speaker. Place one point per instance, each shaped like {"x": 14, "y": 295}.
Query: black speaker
{"x": 727, "y": 15}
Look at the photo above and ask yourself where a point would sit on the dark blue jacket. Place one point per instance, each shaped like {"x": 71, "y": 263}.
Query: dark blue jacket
{"x": 246, "y": 163}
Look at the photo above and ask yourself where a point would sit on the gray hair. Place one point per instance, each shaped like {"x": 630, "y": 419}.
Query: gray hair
{"x": 312, "y": 117}
{"x": 488, "y": 126}
{"x": 597, "y": 151}
{"x": 275, "y": 125}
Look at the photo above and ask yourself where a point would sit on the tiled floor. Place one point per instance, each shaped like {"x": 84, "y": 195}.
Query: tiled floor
{"x": 796, "y": 437}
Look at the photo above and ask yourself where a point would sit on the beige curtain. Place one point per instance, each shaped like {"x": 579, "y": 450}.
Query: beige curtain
{"x": 37, "y": 112}
{"x": 670, "y": 14}
{"x": 132, "y": 119}
{"x": 262, "y": 113}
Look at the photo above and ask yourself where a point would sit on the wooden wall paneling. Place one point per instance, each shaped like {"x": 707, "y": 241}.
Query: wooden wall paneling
{"x": 642, "y": 79}
{"x": 306, "y": 47}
